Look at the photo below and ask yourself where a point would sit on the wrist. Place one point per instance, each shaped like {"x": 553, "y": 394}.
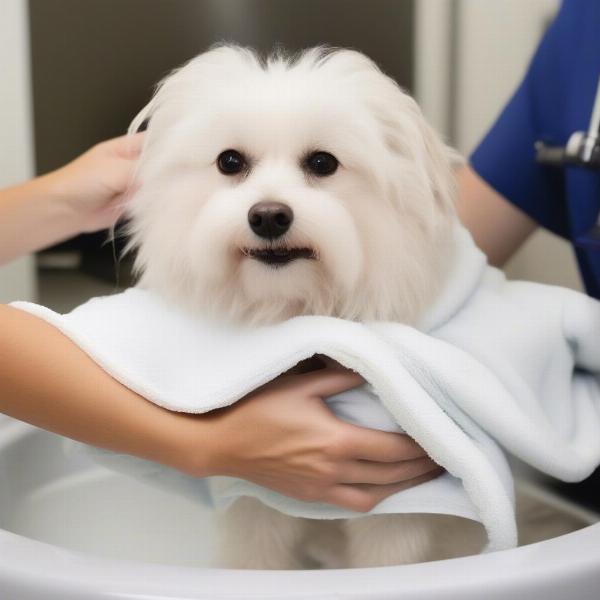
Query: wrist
{"x": 61, "y": 201}
{"x": 33, "y": 215}
{"x": 188, "y": 445}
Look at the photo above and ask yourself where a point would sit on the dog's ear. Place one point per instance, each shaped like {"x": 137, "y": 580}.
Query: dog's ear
{"x": 142, "y": 119}
{"x": 441, "y": 163}
{"x": 221, "y": 61}
{"x": 143, "y": 126}
{"x": 406, "y": 132}
{"x": 163, "y": 89}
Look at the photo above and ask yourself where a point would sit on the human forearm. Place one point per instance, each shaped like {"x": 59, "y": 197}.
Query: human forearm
{"x": 83, "y": 196}
{"x": 281, "y": 436}
{"x": 33, "y": 215}
{"x": 52, "y": 384}
{"x": 497, "y": 227}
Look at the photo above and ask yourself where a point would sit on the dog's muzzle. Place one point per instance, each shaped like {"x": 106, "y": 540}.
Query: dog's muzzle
{"x": 270, "y": 220}
{"x": 277, "y": 257}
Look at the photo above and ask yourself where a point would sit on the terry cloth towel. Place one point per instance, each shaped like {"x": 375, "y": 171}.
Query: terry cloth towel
{"x": 493, "y": 364}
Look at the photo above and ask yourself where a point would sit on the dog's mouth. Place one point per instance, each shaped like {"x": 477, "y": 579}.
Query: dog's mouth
{"x": 277, "y": 257}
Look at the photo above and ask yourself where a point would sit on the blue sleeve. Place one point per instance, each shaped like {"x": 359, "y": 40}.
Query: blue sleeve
{"x": 505, "y": 158}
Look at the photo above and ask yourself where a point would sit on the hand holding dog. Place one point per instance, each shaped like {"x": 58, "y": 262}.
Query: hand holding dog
{"x": 95, "y": 185}
{"x": 281, "y": 436}
{"x": 285, "y": 438}
{"x": 85, "y": 195}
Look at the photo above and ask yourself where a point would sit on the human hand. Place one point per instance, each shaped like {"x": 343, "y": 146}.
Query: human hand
{"x": 283, "y": 436}
{"x": 94, "y": 187}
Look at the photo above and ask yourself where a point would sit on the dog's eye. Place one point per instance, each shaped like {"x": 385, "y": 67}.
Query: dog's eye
{"x": 321, "y": 163}
{"x": 231, "y": 162}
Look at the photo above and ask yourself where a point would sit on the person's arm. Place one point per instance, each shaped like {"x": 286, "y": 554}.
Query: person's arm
{"x": 497, "y": 226}
{"x": 85, "y": 195}
{"x": 505, "y": 192}
{"x": 282, "y": 436}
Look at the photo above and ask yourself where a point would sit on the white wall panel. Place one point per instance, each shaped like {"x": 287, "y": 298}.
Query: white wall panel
{"x": 17, "y": 279}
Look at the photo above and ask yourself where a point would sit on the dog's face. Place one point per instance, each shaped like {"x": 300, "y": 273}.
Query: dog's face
{"x": 270, "y": 190}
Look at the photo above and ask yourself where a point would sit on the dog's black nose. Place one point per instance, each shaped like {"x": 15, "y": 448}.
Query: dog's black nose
{"x": 270, "y": 219}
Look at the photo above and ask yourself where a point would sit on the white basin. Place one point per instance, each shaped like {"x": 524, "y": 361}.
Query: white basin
{"x": 72, "y": 530}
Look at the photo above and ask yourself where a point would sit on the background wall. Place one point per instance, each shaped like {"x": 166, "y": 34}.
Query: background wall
{"x": 124, "y": 47}
{"x": 17, "y": 280}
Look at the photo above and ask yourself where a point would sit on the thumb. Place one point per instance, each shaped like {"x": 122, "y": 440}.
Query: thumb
{"x": 330, "y": 381}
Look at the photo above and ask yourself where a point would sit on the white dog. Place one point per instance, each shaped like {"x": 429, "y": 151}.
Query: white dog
{"x": 310, "y": 185}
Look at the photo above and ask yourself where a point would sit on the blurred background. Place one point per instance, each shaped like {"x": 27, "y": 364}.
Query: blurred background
{"x": 75, "y": 73}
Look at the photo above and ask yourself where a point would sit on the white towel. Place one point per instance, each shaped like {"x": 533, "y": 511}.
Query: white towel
{"x": 493, "y": 363}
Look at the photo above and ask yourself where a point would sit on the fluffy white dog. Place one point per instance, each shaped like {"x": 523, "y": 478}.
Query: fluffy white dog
{"x": 310, "y": 185}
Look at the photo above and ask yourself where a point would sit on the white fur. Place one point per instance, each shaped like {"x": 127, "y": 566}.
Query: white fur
{"x": 379, "y": 228}
{"x": 378, "y": 224}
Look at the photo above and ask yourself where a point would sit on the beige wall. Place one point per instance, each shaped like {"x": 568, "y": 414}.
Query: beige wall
{"x": 17, "y": 280}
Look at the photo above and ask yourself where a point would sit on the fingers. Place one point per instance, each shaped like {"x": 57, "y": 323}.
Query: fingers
{"x": 126, "y": 146}
{"x": 386, "y": 473}
{"x": 329, "y": 381}
{"x": 382, "y": 446}
{"x": 133, "y": 145}
{"x": 363, "y": 498}
{"x": 329, "y": 362}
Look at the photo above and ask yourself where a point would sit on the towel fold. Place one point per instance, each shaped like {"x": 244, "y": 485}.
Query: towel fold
{"x": 493, "y": 364}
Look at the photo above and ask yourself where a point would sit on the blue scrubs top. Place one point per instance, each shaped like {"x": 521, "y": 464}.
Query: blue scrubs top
{"x": 554, "y": 99}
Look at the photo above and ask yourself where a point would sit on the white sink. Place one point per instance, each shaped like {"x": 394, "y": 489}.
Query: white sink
{"x": 71, "y": 530}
